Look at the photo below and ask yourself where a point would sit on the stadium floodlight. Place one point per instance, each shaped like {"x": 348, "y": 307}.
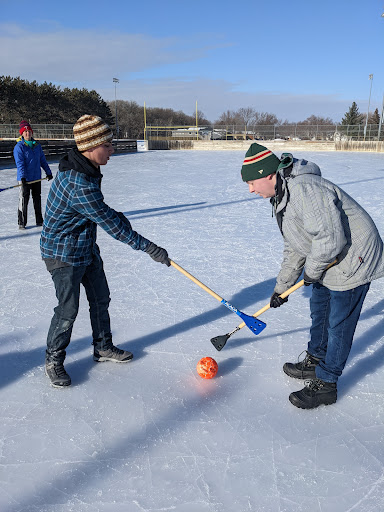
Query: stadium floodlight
{"x": 116, "y": 81}
{"x": 369, "y": 102}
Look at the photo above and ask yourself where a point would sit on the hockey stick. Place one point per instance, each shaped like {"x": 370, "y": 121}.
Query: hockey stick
{"x": 255, "y": 325}
{"x": 219, "y": 341}
{"x": 20, "y": 184}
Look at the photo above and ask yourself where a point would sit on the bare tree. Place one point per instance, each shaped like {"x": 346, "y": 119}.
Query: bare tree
{"x": 227, "y": 118}
{"x": 265, "y": 118}
{"x": 246, "y": 115}
{"x": 201, "y": 119}
{"x": 317, "y": 120}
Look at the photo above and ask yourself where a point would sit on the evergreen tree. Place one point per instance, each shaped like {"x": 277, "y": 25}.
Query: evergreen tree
{"x": 374, "y": 118}
{"x": 353, "y": 116}
{"x": 47, "y": 103}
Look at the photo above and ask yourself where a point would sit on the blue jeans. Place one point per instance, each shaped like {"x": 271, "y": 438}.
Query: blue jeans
{"x": 334, "y": 319}
{"x": 67, "y": 282}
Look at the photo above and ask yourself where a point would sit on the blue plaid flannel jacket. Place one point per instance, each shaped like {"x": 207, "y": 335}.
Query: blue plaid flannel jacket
{"x": 75, "y": 205}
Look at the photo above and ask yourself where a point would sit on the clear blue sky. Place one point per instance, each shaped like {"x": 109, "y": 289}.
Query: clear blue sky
{"x": 292, "y": 59}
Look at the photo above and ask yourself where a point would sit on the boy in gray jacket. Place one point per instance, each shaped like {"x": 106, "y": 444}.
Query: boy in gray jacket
{"x": 320, "y": 223}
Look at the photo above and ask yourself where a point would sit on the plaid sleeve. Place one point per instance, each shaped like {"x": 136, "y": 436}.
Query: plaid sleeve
{"x": 89, "y": 201}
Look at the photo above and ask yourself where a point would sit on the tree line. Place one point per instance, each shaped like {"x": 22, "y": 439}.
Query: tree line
{"x": 50, "y": 104}
{"x": 47, "y": 103}
{"x": 131, "y": 118}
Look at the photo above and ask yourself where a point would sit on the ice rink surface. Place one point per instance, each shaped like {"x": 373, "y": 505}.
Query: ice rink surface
{"x": 151, "y": 435}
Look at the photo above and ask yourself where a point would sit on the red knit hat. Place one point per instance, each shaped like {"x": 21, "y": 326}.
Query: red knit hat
{"x": 24, "y": 125}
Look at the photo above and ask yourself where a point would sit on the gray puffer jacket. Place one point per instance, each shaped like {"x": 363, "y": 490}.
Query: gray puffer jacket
{"x": 319, "y": 222}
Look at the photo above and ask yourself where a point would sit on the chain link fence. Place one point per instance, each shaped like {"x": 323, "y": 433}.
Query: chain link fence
{"x": 373, "y": 132}
{"x": 40, "y": 131}
{"x": 332, "y": 132}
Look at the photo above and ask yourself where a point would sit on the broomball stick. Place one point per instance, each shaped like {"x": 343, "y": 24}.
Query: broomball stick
{"x": 20, "y": 184}
{"x": 219, "y": 341}
{"x": 255, "y": 325}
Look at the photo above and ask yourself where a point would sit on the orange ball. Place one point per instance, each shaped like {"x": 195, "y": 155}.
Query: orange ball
{"x": 207, "y": 368}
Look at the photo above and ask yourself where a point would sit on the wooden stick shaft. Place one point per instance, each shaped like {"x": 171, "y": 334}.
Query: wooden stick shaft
{"x": 20, "y": 184}
{"x": 196, "y": 281}
{"x": 283, "y": 295}
{"x": 35, "y": 181}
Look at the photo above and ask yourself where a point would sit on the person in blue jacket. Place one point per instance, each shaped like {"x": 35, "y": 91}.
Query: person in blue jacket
{"x": 29, "y": 158}
{"x": 75, "y": 206}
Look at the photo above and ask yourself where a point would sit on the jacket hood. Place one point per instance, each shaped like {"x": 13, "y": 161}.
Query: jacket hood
{"x": 76, "y": 161}
{"x": 289, "y": 169}
{"x": 21, "y": 139}
{"x": 302, "y": 166}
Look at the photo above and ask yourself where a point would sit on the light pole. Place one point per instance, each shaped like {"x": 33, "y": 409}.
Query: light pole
{"x": 116, "y": 81}
{"x": 381, "y": 120}
{"x": 369, "y": 101}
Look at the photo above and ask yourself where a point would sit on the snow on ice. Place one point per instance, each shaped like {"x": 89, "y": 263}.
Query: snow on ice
{"x": 152, "y": 435}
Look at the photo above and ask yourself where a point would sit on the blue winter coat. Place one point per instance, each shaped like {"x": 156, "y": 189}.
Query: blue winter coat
{"x": 30, "y": 160}
{"x": 75, "y": 205}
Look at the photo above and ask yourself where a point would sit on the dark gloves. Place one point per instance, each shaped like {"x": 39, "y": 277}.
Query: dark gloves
{"x": 308, "y": 280}
{"x": 277, "y": 301}
{"x": 23, "y": 181}
{"x": 49, "y": 177}
{"x": 158, "y": 254}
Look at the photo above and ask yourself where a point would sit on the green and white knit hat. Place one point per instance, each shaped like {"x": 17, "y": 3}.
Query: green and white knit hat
{"x": 258, "y": 163}
{"x": 90, "y": 132}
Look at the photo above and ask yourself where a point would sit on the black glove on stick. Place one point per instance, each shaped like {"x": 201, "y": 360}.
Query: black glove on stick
{"x": 308, "y": 280}
{"x": 158, "y": 254}
{"x": 277, "y": 301}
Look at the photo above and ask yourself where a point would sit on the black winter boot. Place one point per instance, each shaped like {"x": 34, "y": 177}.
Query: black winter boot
{"x": 304, "y": 369}
{"x": 57, "y": 374}
{"x": 108, "y": 352}
{"x": 316, "y": 392}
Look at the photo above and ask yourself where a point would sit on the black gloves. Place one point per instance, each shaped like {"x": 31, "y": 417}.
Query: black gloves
{"x": 158, "y": 254}
{"x": 23, "y": 181}
{"x": 49, "y": 177}
{"x": 277, "y": 301}
{"x": 308, "y": 280}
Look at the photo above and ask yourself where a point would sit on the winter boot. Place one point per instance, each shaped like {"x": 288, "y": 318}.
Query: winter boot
{"x": 304, "y": 369}
{"x": 57, "y": 374}
{"x": 316, "y": 392}
{"x": 108, "y": 352}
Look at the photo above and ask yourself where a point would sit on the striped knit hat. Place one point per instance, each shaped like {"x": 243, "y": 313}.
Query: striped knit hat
{"x": 258, "y": 163}
{"x": 90, "y": 132}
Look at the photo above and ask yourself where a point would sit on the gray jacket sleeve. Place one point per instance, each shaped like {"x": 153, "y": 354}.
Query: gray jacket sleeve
{"x": 290, "y": 270}
{"x": 313, "y": 233}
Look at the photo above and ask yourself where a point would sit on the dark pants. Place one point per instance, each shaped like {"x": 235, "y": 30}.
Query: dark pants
{"x": 25, "y": 192}
{"x": 67, "y": 282}
{"x": 334, "y": 319}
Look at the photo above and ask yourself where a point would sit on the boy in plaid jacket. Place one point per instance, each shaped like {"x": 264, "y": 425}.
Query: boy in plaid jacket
{"x": 75, "y": 206}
